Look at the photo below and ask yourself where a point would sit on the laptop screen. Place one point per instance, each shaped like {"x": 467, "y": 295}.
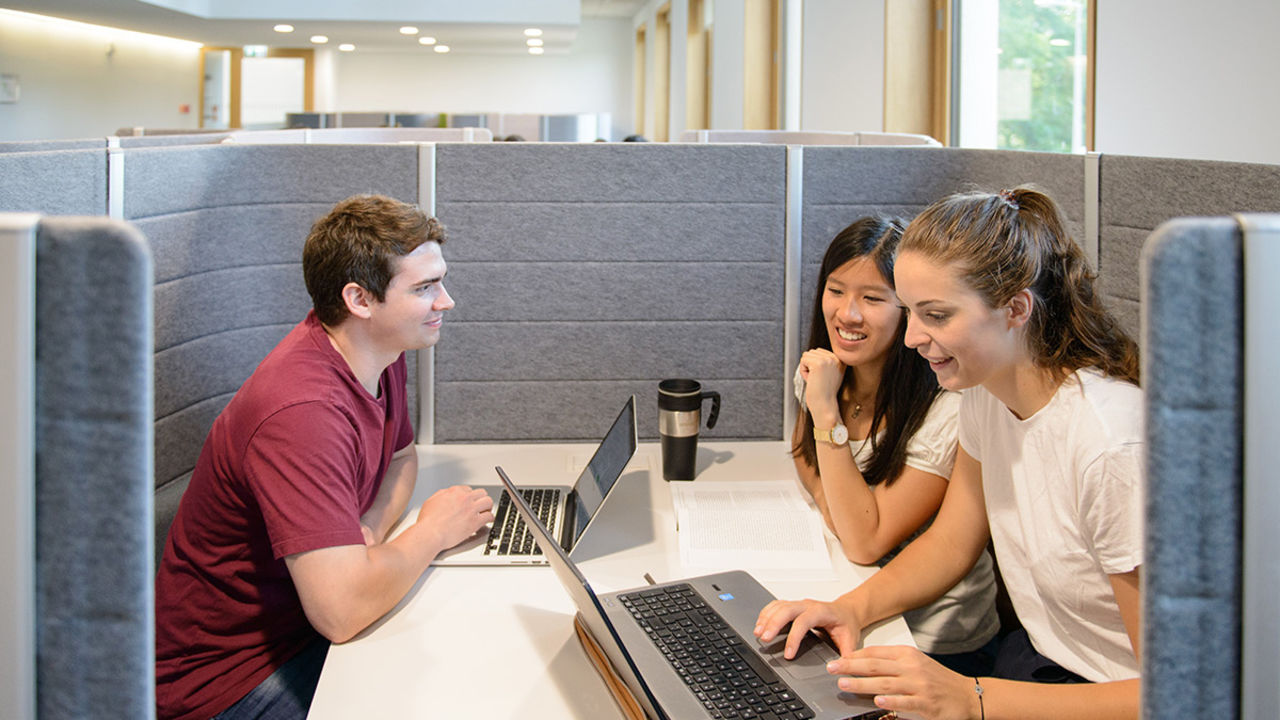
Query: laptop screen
{"x": 604, "y": 469}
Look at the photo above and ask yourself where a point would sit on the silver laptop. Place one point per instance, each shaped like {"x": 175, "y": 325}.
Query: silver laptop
{"x": 570, "y": 510}
{"x": 686, "y": 648}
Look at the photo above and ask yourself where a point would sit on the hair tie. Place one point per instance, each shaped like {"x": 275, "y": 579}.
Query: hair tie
{"x": 1009, "y": 199}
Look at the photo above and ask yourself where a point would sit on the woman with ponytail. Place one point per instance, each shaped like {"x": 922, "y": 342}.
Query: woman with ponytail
{"x": 1002, "y": 305}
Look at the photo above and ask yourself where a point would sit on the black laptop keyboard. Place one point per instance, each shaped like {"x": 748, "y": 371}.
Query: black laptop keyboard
{"x": 509, "y": 535}
{"x": 726, "y": 675}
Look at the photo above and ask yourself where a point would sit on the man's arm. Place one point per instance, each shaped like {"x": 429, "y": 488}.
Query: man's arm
{"x": 346, "y": 588}
{"x": 393, "y": 496}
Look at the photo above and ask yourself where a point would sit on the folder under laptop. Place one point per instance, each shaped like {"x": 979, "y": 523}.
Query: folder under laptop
{"x": 685, "y": 649}
{"x": 570, "y": 510}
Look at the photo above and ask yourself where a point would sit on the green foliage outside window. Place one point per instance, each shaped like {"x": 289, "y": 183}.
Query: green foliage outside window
{"x": 1039, "y": 37}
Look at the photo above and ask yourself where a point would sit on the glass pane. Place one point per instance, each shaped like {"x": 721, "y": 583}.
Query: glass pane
{"x": 1023, "y": 74}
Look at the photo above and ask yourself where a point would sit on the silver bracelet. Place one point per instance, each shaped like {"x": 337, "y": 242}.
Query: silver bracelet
{"x": 977, "y": 687}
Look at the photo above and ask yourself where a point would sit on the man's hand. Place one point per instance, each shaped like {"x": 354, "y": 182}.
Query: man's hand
{"x": 456, "y": 513}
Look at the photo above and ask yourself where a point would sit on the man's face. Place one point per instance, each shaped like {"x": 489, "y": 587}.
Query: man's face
{"x": 410, "y": 316}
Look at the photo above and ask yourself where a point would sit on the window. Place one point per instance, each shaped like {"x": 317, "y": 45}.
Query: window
{"x": 1024, "y": 77}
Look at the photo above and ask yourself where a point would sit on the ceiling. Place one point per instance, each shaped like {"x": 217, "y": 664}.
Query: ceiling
{"x": 235, "y": 23}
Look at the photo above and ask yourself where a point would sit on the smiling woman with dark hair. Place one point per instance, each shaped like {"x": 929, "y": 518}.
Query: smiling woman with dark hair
{"x": 875, "y": 437}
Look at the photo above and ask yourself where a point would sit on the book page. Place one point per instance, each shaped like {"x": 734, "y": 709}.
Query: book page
{"x": 765, "y": 528}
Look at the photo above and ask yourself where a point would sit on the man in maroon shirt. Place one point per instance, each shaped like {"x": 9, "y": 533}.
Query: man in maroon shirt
{"x": 279, "y": 545}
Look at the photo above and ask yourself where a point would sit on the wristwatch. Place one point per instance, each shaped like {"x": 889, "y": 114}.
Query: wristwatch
{"x": 838, "y": 435}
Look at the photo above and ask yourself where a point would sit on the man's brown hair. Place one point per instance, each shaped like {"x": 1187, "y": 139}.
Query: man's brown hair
{"x": 358, "y": 241}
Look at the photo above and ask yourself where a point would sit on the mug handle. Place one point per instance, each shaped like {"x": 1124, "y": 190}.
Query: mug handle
{"x": 715, "y": 407}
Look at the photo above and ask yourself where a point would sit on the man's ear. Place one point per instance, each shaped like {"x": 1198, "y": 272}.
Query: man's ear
{"x": 1020, "y": 307}
{"x": 357, "y": 300}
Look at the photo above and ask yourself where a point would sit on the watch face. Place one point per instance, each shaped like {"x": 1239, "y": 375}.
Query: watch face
{"x": 839, "y": 435}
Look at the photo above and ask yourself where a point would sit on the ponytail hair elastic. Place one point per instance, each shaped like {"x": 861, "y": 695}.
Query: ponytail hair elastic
{"x": 1007, "y": 196}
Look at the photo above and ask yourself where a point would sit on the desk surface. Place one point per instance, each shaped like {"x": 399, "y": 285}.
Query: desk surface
{"x": 499, "y": 642}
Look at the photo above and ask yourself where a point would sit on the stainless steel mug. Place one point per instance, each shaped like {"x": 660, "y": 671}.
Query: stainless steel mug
{"x": 679, "y": 418}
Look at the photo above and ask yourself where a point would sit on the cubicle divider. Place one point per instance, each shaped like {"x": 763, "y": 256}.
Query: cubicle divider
{"x": 1260, "y": 626}
{"x": 75, "y": 408}
{"x": 226, "y": 225}
{"x": 93, "y": 469}
{"x": 139, "y": 141}
{"x": 17, "y": 464}
{"x": 358, "y": 135}
{"x": 1192, "y": 371}
{"x": 47, "y": 145}
{"x": 585, "y": 273}
{"x": 806, "y": 137}
{"x": 54, "y": 182}
{"x": 1139, "y": 193}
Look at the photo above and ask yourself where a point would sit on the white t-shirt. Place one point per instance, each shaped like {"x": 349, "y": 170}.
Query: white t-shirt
{"x": 1064, "y": 501}
{"x": 964, "y": 618}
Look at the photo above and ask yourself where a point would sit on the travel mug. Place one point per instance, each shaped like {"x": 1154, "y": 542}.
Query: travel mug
{"x": 679, "y": 417}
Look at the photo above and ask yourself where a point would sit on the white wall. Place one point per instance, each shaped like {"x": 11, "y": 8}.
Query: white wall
{"x": 842, "y": 65}
{"x": 81, "y": 82}
{"x": 594, "y": 77}
{"x": 1189, "y": 79}
{"x": 728, "y": 86}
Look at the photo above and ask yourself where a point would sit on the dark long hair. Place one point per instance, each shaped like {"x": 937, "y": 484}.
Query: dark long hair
{"x": 908, "y": 386}
{"x": 1017, "y": 239}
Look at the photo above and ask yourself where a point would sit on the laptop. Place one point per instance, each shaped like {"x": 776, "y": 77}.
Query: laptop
{"x": 569, "y": 510}
{"x": 686, "y": 648}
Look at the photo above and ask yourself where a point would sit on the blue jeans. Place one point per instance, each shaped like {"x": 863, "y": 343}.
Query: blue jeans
{"x": 1019, "y": 660}
{"x": 972, "y": 663}
{"x": 286, "y": 693}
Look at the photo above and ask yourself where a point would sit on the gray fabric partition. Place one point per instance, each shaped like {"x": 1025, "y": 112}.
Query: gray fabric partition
{"x": 54, "y": 182}
{"x": 842, "y": 184}
{"x": 205, "y": 138}
{"x": 587, "y": 272}
{"x": 226, "y": 225}
{"x": 46, "y": 145}
{"x": 1137, "y": 194}
{"x": 1192, "y": 371}
{"x": 95, "y": 604}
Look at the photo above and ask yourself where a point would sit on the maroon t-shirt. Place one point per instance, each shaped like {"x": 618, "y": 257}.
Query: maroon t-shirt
{"x": 290, "y": 465}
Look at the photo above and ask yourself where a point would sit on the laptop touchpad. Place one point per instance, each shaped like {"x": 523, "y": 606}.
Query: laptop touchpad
{"x": 810, "y": 661}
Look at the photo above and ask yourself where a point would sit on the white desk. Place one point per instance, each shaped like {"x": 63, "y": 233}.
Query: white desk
{"x": 499, "y": 642}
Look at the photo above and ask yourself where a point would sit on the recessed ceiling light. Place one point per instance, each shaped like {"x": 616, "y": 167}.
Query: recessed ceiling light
{"x": 427, "y": 40}
{"x": 533, "y": 32}
{"x": 319, "y": 39}
{"x": 346, "y": 47}
{"x": 535, "y": 51}
{"x": 408, "y": 30}
{"x": 282, "y": 28}
{"x": 441, "y": 48}
{"x": 533, "y": 42}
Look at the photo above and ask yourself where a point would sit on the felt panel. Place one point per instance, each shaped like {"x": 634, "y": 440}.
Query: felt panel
{"x": 1192, "y": 374}
{"x": 1139, "y": 193}
{"x": 160, "y": 181}
{"x": 607, "y": 267}
{"x": 605, "y": 292}
{"x": 611, "y": 172}
{"x": 56, "y": 182}
{"x": 202, "y": 138}
{"x": 94, "y": 522}
{"x": 581, "y": 410}
{"x": 45, "y": 145}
